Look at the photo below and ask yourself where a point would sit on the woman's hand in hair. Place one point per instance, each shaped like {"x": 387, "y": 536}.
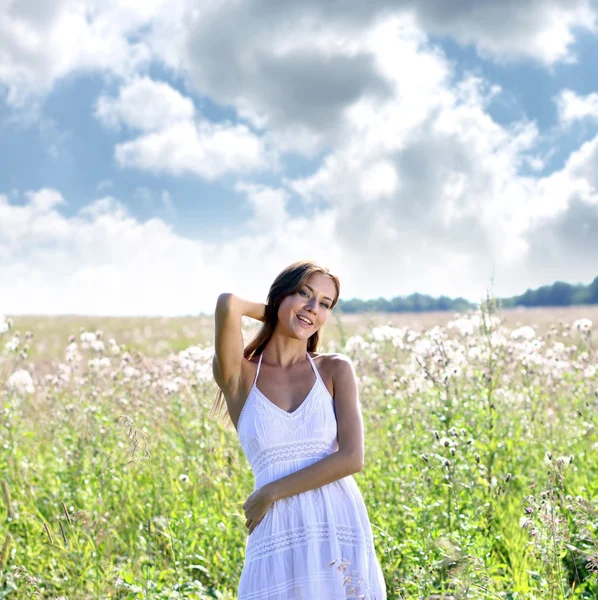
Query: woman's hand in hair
{"x": 256, "y": 506}
{"x": 247, "y": 308}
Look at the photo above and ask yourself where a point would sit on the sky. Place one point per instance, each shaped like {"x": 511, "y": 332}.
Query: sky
{"x": 154, "y": 154}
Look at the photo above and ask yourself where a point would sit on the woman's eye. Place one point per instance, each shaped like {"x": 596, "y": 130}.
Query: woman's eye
{"x": 325, "y": 305}
{"x": 303, "y": 292}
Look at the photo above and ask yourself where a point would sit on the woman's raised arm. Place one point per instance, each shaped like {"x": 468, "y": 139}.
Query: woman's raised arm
{"x": 228, "y": 340}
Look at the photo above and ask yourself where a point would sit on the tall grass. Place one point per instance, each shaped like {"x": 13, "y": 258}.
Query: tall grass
{"x": 481, "y": 473}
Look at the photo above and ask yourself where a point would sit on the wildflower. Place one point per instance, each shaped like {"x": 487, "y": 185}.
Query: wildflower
{"x": 99, "y": 363}
{"x": 465, "y": 325}
{"x": 87, "y": 337}
{"x": 21, "y": 381}
{"x": 583, "y": 325}
{"x": 525, "y": 522}
{"x": 184, "y": 478}
{"x": 97, "y": 345}
{"x": 13, "y": 344}
{"x": 5, "y": 324}
{"x": 526, "y": 332}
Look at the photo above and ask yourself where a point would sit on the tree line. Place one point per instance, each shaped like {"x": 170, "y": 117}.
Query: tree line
{"x": 559, "y": 293}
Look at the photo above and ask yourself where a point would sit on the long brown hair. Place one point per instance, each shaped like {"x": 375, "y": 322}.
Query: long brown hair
{"x": 288, "y": 281}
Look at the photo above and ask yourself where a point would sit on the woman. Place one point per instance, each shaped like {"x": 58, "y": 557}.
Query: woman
{"x": 299, "y": 423}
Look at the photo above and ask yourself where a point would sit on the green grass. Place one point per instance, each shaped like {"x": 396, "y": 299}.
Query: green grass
{"x": 141, "y": 491}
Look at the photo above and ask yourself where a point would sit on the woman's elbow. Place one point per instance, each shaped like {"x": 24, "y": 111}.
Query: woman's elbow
{"x": 359, "y": 464}
{"x": 355, "y": 462}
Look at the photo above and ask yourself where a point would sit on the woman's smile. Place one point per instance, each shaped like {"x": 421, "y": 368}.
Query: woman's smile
{"x": 303, "y": 323}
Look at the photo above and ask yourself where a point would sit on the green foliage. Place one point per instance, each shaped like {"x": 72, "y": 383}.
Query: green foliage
{"x": 557, "y": 294}
{"x": 116, "y": 483}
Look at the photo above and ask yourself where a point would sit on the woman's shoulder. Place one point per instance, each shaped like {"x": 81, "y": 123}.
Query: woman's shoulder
{"x": 332, "y": 362}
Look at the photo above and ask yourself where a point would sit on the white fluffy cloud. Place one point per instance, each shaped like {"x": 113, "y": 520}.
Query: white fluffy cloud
{"x": 102, "y": 261}
{"x": 415, "y": 185}
{"x": 510, "y": 29}
{"x": 428, "y": 190}
{"x": 573, "y": 107}
{"x": 255, "y": 44}
{"x": 173, "y": 137}
{"x": 41, "y": 42}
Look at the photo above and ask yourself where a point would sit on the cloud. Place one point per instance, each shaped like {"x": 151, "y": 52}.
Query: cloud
{"x": 428, "y": 191}
{"x": 268, "y": 204}
{"x": 102, "y": 261}
{"x": 415, "y": 185}
{"x": 146, "y": 105}
{"x": 573, "y": 107}
{"x": 174, "y": 138}
{"x": 542, "y": 30}
{"x": 41, "y": 42}
{"x": 565, "y": 238}
{"x": 235, "y": 51}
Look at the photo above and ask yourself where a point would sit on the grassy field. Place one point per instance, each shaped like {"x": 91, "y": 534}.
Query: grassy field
{"x": 481, "y": 475}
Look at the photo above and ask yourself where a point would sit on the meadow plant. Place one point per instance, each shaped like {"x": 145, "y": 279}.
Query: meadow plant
{"x": 116, "y": 483}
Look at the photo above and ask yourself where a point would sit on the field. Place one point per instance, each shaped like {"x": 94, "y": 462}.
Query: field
{"x": 481, "y": 474}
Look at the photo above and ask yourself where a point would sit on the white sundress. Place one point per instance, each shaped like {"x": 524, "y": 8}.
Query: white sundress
{"x": 288, "y": 555}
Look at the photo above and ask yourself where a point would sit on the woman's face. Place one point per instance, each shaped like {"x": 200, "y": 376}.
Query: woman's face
{"x": 312, "y": 302}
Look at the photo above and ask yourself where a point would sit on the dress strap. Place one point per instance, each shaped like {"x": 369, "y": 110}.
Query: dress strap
{"x": 313, "y": 364}
{"x": 258, "y": 368}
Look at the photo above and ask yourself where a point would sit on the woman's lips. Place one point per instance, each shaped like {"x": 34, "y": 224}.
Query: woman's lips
{"x": 303, "y": 323}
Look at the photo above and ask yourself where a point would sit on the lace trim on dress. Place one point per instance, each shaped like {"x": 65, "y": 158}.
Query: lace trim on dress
{"x": 314, "y": 532}
{"x": 291, "y": 451}
{"x": 285, "y": 590}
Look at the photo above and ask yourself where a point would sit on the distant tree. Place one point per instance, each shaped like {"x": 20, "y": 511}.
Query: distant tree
{"x": 559, "y": 293}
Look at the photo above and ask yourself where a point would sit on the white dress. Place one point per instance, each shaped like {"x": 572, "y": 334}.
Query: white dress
{"x": 288, "y": 555}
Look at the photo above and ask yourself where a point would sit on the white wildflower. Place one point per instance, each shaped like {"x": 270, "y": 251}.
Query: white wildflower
{"x": 526, "y": 332}
{"x": 13, "y": 344}
{"x": 583, "y": 325}
{"x": 559, "y": 347}
{"x": 355, "y": 344}
{"x": 21, "y": 381}
{"x": 99, "y": 363}
{"x": 131, "y": 372}
{"x": 97, "y": 345}
{"x": 4, "y": 324}
{"x": 465, "y": 325}
{"x": 88, "y": 337}
{"x": 564, "y": 460}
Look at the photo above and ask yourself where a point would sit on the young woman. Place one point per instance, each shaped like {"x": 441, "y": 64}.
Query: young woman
{"x": 299, "y": 423}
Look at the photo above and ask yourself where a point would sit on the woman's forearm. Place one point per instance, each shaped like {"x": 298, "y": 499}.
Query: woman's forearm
{"x": 331, "y": 468}
{"x": 247, "y": 308}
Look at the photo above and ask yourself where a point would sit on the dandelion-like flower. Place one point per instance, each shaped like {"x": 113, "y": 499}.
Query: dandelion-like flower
{"x": 21, "y": 381}
{"x": 4, "y": 324}
{"x": 583, "y": 325}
